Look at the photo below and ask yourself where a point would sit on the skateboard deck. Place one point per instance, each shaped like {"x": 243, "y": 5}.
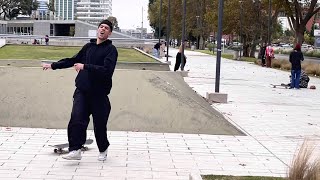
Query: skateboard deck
{"x": 280, "y": 85}
{"x": 59, "y": 148}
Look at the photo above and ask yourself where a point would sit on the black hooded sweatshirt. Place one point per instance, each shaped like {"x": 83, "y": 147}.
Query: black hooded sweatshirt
{"x": 99, "y": 63}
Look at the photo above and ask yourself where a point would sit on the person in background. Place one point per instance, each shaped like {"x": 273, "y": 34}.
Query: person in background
{"x": 178, "y": 59}
{"x": 295, "y": 59}
{"x": 47, "y": 40}
{"x": 269, "y": 55}
{"x": 156, "y": 50}
{"x": 162, "y": 50}
{"x": 263, "y": 55}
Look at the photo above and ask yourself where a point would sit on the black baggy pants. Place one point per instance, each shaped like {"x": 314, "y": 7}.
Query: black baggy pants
{"x": 179, "y": 63}
{"x": 84, "y": 105}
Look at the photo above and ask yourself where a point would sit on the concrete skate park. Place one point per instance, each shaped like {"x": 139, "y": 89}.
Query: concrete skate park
{"x": 151, "y": 100}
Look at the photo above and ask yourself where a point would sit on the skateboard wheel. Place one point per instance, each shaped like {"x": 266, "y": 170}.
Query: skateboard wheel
{"x": 84, "y": 148}
{"x": 55, "y": 150}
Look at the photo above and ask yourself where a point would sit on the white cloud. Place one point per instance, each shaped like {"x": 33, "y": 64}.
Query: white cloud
{"x": 129, "y": 13}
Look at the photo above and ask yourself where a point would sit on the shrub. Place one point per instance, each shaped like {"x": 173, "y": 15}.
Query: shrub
{"x": 311, "y": 69}
{"x": 302, "y": 167}
{"x": 276, "y": 64}
{"x": 210, "y": 46}
{"x": 286, "y": 65}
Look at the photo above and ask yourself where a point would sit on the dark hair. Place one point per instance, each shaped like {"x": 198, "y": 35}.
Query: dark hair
{"x": 107, "y": 22}
{"x": 297, "y": 47}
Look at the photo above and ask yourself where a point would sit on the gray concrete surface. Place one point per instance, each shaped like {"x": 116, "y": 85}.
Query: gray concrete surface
{"x": 155, "y": 66}
{"x": 149, "y": 101}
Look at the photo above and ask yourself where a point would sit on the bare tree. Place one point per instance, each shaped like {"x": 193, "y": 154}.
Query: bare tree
{"x": 299, "y": 13}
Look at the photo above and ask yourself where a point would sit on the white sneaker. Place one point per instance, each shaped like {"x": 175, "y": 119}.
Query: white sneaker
{"x": 103, "y": 155}
{"x": 73, "y": 155}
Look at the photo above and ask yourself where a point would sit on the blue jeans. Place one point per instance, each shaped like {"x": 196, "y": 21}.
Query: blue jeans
{"x": 156, "y": 53}
{"x": 295, "y": 78}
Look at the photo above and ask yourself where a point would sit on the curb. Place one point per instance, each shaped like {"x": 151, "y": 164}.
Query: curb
{"x": 157, "y": 59}
{"x": 195, "y": 176}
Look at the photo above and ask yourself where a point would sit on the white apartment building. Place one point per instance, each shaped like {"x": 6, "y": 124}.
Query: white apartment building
{"x": 64, "y": 9}
{"x": 93, "y": 11}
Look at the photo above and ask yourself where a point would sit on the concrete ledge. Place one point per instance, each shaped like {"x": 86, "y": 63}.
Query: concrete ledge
{"x": 183, "y": 73}
{"x": 167, "y": 62}
{"x": 154, "y": 66}
{"x": 217, "y": 97}
{"x": 155, "y": 58}
{"x": 195, "y": 176}
{"x": 2, "y": 42}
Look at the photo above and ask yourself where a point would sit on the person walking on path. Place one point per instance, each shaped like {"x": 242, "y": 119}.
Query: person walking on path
{"x": 269, "y": 55}
{"x": 46, "y": 40}
{"x": 178, "y": 60}
{"x": 95, "y": 64}
{"x": 263, "y": 55}
{"x": 295, "y": 58}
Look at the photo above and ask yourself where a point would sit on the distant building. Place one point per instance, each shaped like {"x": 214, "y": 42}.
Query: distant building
{"x": 284, "y": 23}
{"x": 73, "y": 28}
{"x": 42, "y": 13}
{"x": 93, "y": 11}
{"x": 140, "y": 33}
{"x": 64, "y": 9}
{"x": 43, "y": 5}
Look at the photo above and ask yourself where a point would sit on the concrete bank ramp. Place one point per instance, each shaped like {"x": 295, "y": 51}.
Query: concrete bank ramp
{"x": 148, "y": 101}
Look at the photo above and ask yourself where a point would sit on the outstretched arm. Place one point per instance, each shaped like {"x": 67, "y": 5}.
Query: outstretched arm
{"x": 67, "y": 62}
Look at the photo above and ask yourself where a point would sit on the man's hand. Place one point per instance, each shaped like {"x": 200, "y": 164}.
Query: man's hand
{"x": 78, "y": 66}
{"x": 46, "y": 66}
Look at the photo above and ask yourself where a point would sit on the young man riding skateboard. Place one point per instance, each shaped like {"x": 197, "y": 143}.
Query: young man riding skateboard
{"x": 95, "y": 64}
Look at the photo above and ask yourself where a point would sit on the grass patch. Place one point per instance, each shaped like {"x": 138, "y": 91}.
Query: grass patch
{"x": 34, "y": 52}
{"x": 224, "y": 55}
{"x": 215, "y": 177}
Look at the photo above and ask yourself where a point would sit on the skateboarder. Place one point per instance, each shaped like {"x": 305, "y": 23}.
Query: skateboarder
{"x": 95, "y": 64}
{"x": 295, "y": 58}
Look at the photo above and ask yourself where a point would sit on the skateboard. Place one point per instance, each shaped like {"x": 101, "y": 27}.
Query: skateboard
{"x": 280, "y": 85}
{"x": 59, "y": 148}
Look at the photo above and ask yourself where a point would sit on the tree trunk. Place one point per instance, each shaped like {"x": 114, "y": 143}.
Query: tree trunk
{"x": 299, "y": 35}
{"x": 245, "y": 48}
{"x": 201, "y": 43}
{"x": 253, "y": 50}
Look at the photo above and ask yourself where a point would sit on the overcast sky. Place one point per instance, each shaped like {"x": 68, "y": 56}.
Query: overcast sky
{"x": 129, "y": 13}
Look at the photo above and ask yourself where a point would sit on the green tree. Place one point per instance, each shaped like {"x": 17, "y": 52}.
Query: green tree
{"x": 12, "y": 8}
{"x": 246, "y": 19}
{"x": 51, "y": 7}
{"x": 299, "y": 13}
{"x": 202, "y": 18}
{"x": 27, "y": 6}
{"x": 114, "y": 22}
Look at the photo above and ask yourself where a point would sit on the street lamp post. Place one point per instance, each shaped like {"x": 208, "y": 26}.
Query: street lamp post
{"x": 159, "y": 33}
{"x": 220, "y": 16}
{"x": 241, "y": 14}
{"x": 183, "y": 33}
{"x": 142, "y": 24}
{"x": 168, "y": 29}
{"x": 269, "y": 24}
{"x": 198, "y": 46}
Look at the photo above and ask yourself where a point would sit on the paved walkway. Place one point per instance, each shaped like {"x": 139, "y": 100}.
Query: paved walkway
{"x": 275, "y": 120}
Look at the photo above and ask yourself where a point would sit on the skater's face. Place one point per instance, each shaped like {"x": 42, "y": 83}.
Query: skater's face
{"x": 104, "y": 31}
